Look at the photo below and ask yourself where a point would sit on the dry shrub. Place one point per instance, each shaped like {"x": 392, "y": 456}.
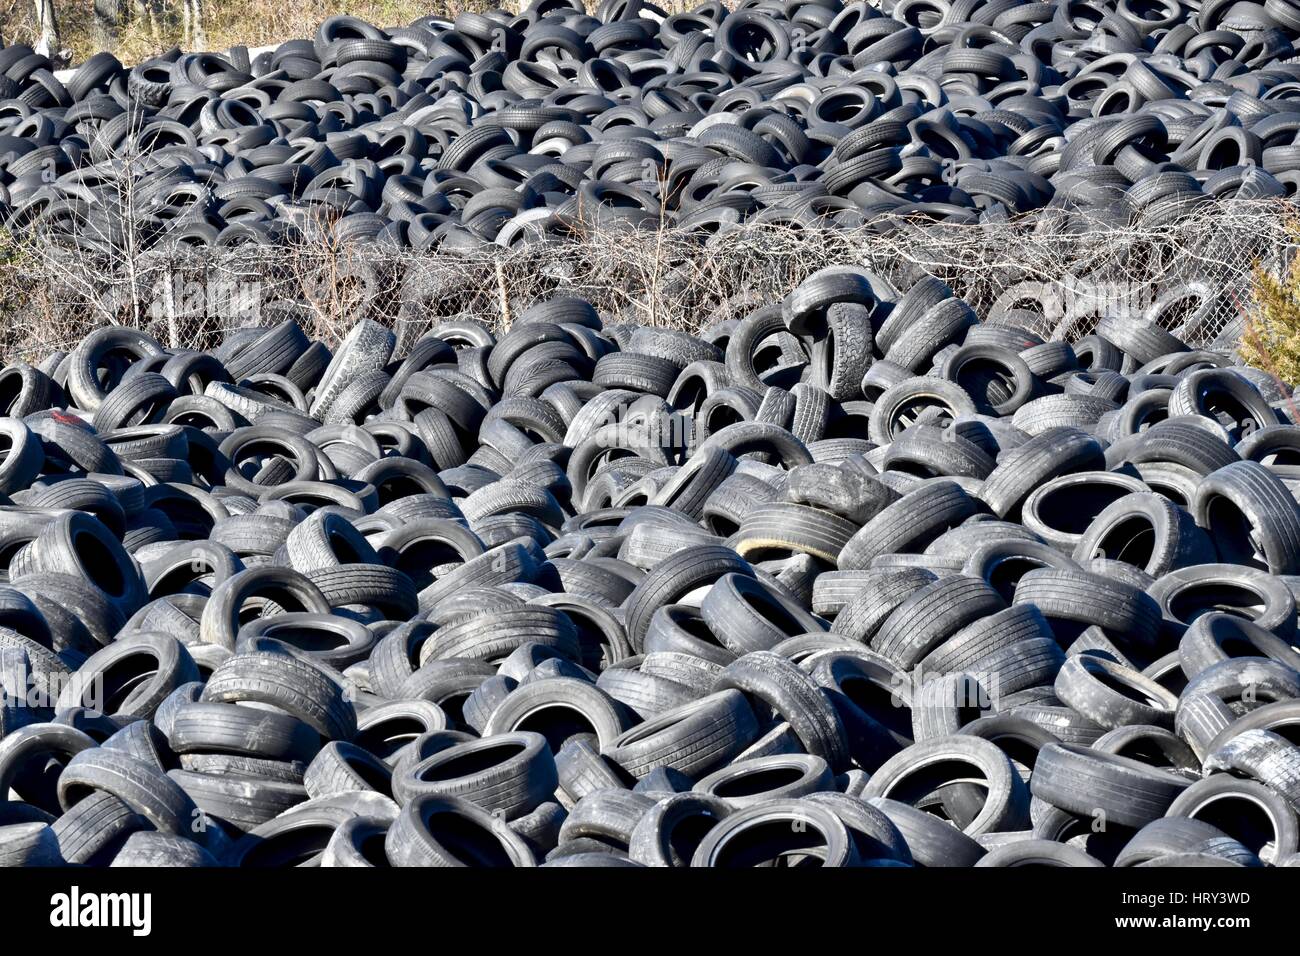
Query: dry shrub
{"x": 1271, "y": 340}
{"x": 53, "y": 295}
{"x": 149, "y": 27}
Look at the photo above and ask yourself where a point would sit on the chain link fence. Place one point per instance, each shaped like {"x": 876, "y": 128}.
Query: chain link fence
{"x": 1055, "y": 273}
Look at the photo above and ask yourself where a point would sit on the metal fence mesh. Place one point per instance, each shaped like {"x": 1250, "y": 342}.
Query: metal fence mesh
{"x": 1054, "y": 273}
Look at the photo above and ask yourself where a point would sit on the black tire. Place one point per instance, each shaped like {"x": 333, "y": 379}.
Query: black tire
{"x": 1186, "y": 594}
{"x": 507, "y": 774}
{"x": 1057, "y": 451}
{"x": 559, "y": 708}
{"x": 1216, "y": 637}
{"x": 674, "y": 577}
{"x": 1006, "y": 806}
{"x": 1112, "y": 695}
{"x": 295, "y": 686}
{"x": 146, "y": 789}
{"x": 114, "y": 676}
{"x": 340, "y": 767}
{"x": 93, "y": 831}
{"x": 908, "y": 524}
{"x": 931, "y": 615}
{"x": 747, "y": 616}
{"x": 1088, "y": 782}
{"x": 1073, "y": 601}
{"x": 932, "y": 841}
{"x": 754, "y": 780}
{"x": 242, "y": 731}
{"x": 818, "y": 829}
{"x": 447, "y": 831}
{"x": 1147, "y": 531}
{"x": 663, "y": 836}
{"x": 796, "y": 697}
{"x": 1251, "y": 516}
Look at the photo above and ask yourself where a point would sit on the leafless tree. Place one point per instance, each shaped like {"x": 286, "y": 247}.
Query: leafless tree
{"x": 108, "y": 16}
{"x": 47, "y": 25}
{"x": 192, "y": 25}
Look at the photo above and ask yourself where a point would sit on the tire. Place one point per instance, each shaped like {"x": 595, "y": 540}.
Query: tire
{"x": 606, "y": 817}
{"x": 388, "y": 730}
{"x": 114, "y": 673}
{"x": 1071, "y": 601}
{"x": 933, "y": 842}
{"x": 95, "y": 829}
{"x": 1007, "y": 804}
{"x": 1212, "y": 636}
{"x": 527, "y": 710}
{"x": 907, "y": 525}
{"x": 287, "y": 588}
{"x": 747, "y": 616}
{"x": 901, "y": 403}
{"x": 1185, "y": 594}
{"x": 931, "y": 615}
{"x": 783, "y": 527}
{"x": 541, "y": 828}
{"x": 1057, "y": 451}
{"x": 1273, "y": 833}
{"x": 23, "y": 459}
{"x": 326, "y": 540}
{"x": 660, "y": 837}
{"x": 366, "y": 348}
{"x": 1147, "y": 531}
{"x": 1037, "y": 853}
{"x": 1061, "y": 510}
{"x": 297, "y": 687}
{"x": 582, "y": 770}
{"x": 428, "y": 832}
{"x": 508, "y": 774}
{"x": 673, "y": 578}
{"x": 77, "y": 545}
{"x": 878, "y": 598}
{"x": 1177, "y": 835}
{"x": 853, "y": 496}
{"x": 1111, "y": 695}
{"x": 1153, "y": 745}
{"x": 645, "y": 695}
{"x": 340, "y": 767}
{"x": 238, "y": 804}
{"x": 28, "y": 844}
{"x": 242, "y": 731}
{"x": 1252, "y": 517}
{"x": 971, "y": 645}
{"x": 756, "y": 780}
{"x": 148, "y": 791}
{"x": 1264, "y": 756}
{"x": 492, "y": 636}
{"x": 820, "y": 829}
{"x": 1088, "y": 782}
{"x": 795, "y": 697}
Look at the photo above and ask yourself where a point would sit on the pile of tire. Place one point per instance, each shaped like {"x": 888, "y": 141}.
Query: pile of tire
{"x": 856, "y": 580}
{"x": 495, "y": 128}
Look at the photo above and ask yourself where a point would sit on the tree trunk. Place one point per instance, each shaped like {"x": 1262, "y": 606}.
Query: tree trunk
{"x": 192, "y": 25}
{"x": 108, "y": 17}
{"x": 48, "y": 26}
{"x": 200, "y": 37}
